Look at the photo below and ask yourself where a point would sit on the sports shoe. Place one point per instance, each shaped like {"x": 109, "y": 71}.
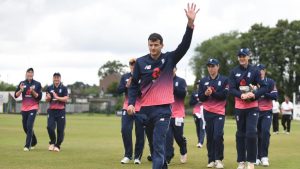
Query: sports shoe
{"x": 137, "y": 161}
{"x": 183, "y": 158}
{"x": 219, "y": 164}
{"x": 287, "y": 133}
{"x": 211, "y": 164}
{"x": 199, "y": 145}
{"x": 258, "y": 162}
{"x": 26, "y": 149}
{"x": 250, "y": 165}
{"x": 125, "y": 160}
{"x": 51, "y": 147}
{"x": 56, "y": 149}
{"x": 241, "y": 165}
{"x": 265, "y": 161}
{"x": 32, "y": 147}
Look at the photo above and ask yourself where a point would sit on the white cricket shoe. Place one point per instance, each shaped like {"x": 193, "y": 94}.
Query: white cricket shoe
{"x": 56, "y": 149}
{"x": 125, "y": 160}
{"x": 51, "y": 147}
{"x": 26, "y": 149}
{"x": 183, "y": 158}
{"x": 210, "y": 165}
{"x": 265, "y": 161}
{"x": 241, "y": 165}
{"x": 250, "y": 165}
{"x": 258, "y": 162}
{"x": 199, "y": 145}
{"x": 137, "y": 161}
{"x": 219, "y": 164}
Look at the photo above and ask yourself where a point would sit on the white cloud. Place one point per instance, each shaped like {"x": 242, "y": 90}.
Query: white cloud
{"x": 76, "y": 37}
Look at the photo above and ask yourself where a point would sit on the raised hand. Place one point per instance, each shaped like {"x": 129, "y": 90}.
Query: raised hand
{"x": 191, "y": 13}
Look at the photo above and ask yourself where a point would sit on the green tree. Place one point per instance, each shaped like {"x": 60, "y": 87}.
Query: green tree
{"x": 111, "y": 67}
{"x": 7, "y": 87}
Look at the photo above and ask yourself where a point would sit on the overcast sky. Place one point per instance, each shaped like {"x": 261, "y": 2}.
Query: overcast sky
{"x": 75, "y": 37}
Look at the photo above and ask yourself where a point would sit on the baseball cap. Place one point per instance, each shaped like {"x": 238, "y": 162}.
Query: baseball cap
{"x": 212, "y": 62}
{"x": 244, "y": 52}
{"x": 261, "y": 66}
{"x": 29, "y": 69}
{"x": 56, "y": 74}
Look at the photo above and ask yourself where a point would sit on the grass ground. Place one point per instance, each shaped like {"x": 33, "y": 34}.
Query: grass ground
{"x": 94, "y": 142}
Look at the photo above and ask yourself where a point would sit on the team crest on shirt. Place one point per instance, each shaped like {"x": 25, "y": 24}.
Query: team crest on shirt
{"x": 147, "y": 67}
{"x": 163, "y": 61}
{"x": 219, "y": 83}
{"x": 249, "y": 74}
{"x": 176, "y": 84}
{"x": 59, "y": 91}
{"x": 206, "y": 83}
{"x": 237, "y": 75}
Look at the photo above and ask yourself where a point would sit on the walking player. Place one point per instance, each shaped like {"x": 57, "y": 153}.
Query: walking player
{"x": 265, "y": 117}
{"x": 127, "y": 123}
{"x": 243, "y": 82}
{"x": 176, "y": 126}
{"x": 57, "y": 96}
{"x": 213, "y": 91}
{"x": 31, "y": 95}
{"x": 155, "y": 73}
{"x": 198, "y": 116}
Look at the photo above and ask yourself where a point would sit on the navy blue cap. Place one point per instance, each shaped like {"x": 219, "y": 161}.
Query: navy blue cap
{"x": 56, "y": 74}
{"x": 261, "y": 66}
{"x": 29, "y": 69}
{"x": 244, "y": 52}
{"x": 212, "y": 62}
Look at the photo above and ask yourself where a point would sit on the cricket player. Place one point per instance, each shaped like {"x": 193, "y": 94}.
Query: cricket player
{"x": 246, "y": 86}
{"x": 176, "y": 126}
{"x": 154, "y": 71}
{"x": 127, "y": 122}
{"x": 265, "y": 106}
{"x": 213, "y": 91}
{"x": 57, "y": 96}
{"x": 30, "y": 90}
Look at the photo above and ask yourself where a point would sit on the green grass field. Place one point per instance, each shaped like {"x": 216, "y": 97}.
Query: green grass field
{"x": 94, "y": 142}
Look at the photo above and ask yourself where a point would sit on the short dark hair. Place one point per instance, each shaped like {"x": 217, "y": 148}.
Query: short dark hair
{"x": 154, "y": 37}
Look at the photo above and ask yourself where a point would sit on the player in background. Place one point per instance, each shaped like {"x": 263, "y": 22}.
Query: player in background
{"x": 127, "y": 123}
{"x": 176, "y": 126}
{"x": 198, "y": 116}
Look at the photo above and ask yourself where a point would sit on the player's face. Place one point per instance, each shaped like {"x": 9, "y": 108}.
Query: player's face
{"x": 244, "y": 60}
{"x": 262, "y": 73}
{"x": 131, "y": 66}
{"x": 155, "y": 47}
{"x": 29, "y": 75}
{"x": 56, "y": 80}
{"x": 213, "y": 69}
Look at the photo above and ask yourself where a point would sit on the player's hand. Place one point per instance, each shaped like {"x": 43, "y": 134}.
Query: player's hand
{"x": 22, "y": 86}
{"x": 208, "y": 91}
{"x": 130, "y": 110}
{"x": 244, "y": 96}
{"x": 191, "y": 13}
{"x": 251, "y": 95}
{"x": 55, "y": 96}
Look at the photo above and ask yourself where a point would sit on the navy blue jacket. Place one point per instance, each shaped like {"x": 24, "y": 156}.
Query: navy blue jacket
{"x": 179, "y": 87}
{"x": 251, "y": 75}
{"x": 156, "y": 76}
